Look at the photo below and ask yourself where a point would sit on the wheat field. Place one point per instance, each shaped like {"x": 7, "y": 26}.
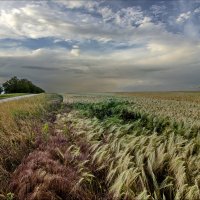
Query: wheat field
{"x": 113, "y": 147}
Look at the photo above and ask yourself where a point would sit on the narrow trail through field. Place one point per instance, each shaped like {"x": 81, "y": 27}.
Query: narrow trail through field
{"x": 17, "y": 98}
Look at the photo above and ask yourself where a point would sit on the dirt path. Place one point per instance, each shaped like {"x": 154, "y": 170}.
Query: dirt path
{"x": 16, "y": 98}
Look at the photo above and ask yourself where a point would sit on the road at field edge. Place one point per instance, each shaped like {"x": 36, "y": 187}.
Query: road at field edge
{"x": 16, "y": 98}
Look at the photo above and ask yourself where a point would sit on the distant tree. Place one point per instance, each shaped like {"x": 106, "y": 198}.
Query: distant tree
{"x": 1, "y": 89}
{"x": 15, "y": 85}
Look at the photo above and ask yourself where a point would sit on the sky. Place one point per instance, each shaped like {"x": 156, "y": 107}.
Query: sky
{"x": 102, "y": 46}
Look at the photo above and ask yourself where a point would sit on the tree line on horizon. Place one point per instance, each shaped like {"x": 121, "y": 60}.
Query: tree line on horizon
{"x": 15, "y": 85}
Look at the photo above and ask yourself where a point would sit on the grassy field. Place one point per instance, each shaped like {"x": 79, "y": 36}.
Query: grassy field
{"x": 179, "y": 106}
{"x": 108, "y": 147}
{"x": 5, "y": 96}
{"x": 145, "y": 148}
{"x": 20, "y": 123}
{"x": 177, "y": 96}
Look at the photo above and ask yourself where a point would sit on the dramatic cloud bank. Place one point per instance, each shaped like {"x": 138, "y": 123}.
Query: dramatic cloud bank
{"x": 100, "y": 46}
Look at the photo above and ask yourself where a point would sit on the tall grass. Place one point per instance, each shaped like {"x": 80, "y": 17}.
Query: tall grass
{"x": 143, "y": 166}
{"x": 142, "y": 156}
{"x": 59, "y": 168}
{"x": 107, "y": 148}
{"x": 20, "y": 123}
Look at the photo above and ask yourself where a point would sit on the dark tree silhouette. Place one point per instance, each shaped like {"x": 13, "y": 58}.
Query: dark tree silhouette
{"x": 1, "y": 89}
{"x": 15, "y": 85}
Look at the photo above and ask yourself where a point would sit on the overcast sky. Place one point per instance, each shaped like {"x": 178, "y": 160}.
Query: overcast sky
{"x": 101, "y": 46}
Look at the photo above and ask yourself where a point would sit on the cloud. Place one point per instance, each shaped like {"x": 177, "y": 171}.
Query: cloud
{"x": 89, "y": 5}
{"x": 34, "y": 21}
{"x": 99, "y": 47}
{"x": 158, "y": 10}
{"x": 75, "y": 51}
{"x": 197, "y": 10}
{"x": 73, "y": 4}
{"x": 40, "y": 68}
{"x": 106, "y": 13}
{"x": 156, "y": 47}
{"x": 183, "y": 17}
{"x": 116, "y": 70}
